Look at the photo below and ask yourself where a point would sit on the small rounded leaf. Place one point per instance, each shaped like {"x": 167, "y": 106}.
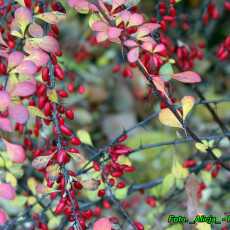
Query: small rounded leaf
{"x": 16, "y": 152}
{"x": 102, "y": 224}
{"x": 133, "y": 55}
{"x": 18, "y": 113}
{"x": 7, "y": 192}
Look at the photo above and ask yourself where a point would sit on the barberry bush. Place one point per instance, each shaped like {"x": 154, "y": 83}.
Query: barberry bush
{"x": 114, "y": 114}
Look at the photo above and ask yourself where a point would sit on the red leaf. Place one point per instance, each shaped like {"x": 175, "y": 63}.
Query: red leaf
{"x": 99, "y": 26}
{"x": 49, "y": 44}
{"x": 14, "y": 59}
{"x": 102, "y": 224}
{"x": 24, "y": 89}
{"x": 18, "y": 113}
{"x": 136, "y": 19}
{"x": 114, "y": 32}
{"x": 26, "y": 68}
{"x": 187, "y": 77}
{"x": 5, "y": 124}
{"x": 3, "y": 217}
{"x": 16, "y": 152}
{"x": 5, "y": 100}
{"x": 133, "y": 55}
{"x": 7, "y": 192}
{"x": 35, "y": 30}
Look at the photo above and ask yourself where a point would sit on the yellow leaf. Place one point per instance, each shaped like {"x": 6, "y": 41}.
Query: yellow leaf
{"x": 16, "y": 34}
{"x": 84, "y": 136}
{"x": 36, "y": 112}
{"x": 10, "y": 178}
{"x": 201, "y": 147}
{"x": 37, "y": 208}
{"x": 31, "y": 200}
{"x": 52, "y": 95}
{"x": 53, "y": 171}
{"x": 124, "y": 160}
{"x": 167, "y": 118}
{"x": 187, "y": 104}
{"x": 51, "y": 17}
{"x": 32, "y": 183}
{"x": 54, "y": 222}
{"x": 217, "y": 152}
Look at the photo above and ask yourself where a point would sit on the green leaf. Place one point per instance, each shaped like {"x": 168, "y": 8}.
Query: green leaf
{"x": 175, "y": 227}
{"x": 84, "y": 136}
{"x": 54, "y": 222}
{"x": 20, "y": 2}
{"x": 166, "y": 71}
{"x": 52, "y": 95}
{"x": 34, "y": 111}
{"x": 203, "y": 226}
{"x": 93, "y": 18}
{"x": 178, "y": 171}
{"x": 217, "y": 152}
{"x": 167, "y": 184}
{"x": 206, "y": 177}
{"x": 121, "y": 194}
{"x": 201, "y": 147}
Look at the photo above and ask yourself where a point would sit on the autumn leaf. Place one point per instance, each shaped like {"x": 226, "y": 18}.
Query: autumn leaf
{"x": 133, "y": 55}
{"x": 41, "y": 162}
{"x": 36, "y": 30}
{"x": 187, "y": 103}
{"x": 187, "y": 77}
{"x": 102, "y": 224}
{"x": 5, "y": 100}
{"x": 7, "y": 192}
{"x": 167, "y": 118}
{"x": 51, "y": 17}
{"x": 15, "y": 152}
{"x": 18, "y": 113}
{"x": 5, "y": 124}
{"x": 36, "y": 112}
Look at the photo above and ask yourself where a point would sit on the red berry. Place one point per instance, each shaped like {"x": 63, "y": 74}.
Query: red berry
{"x": 81, "y": 89}
{"x": 28, "y": 3}
{"x": 45, "y": 74}
{"x": 101, "y": 192}
{"x": 151, "y": 201}
{"x": 69, "y": 114}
